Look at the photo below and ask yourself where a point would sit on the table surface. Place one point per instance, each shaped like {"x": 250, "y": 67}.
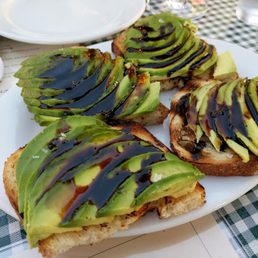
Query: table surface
{"x": 238, "y": 219}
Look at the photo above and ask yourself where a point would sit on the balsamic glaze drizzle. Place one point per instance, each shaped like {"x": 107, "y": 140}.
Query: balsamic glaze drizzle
{"x": 237, "y": 115}
{"x": 187, "y": 60}
{"x": 164, "y": 31}
{"x": 209, "y": 117}
{"x": 108, "y": 186}
{"x": 61, "y": 68}
{"x": 203, "y": 59}
{"x": 251, "y": 108}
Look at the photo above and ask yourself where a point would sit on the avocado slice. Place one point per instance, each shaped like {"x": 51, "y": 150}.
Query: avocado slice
{"x": 205, "y": 61}
{"x": 144, "y": 98}
{"x": 251, "y": 90}
{"x": 57, "y": 163}
{"x": 37, "y": 150}
{"x": 223, "y": 120}
{"x": 225, "y": 67}
{"x": 47, "y": 214}
{"x": 75, "y": 89}
{"x": 195, "y": 103}
{"x": 182, "y": 43}
{"x": 162, "y": 175}
{"x": 150, "y": 103}
{"x": 121, "y": 201}
{"x": 137, "y": 96}
{"x": 45, "y": 120}
{"x": 55, "y": 63}
{"x": 250, "y": 138}
{"x": 177, "y": 67}
{"x": 205, "y": 117}
{"x": 231, "y": 126}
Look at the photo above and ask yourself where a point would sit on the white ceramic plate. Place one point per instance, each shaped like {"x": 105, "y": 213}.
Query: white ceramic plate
{"x": 66, "y": 21}
{"x": 17, "y": 128}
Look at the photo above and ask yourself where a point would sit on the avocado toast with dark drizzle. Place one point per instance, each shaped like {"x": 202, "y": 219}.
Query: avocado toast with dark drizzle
{"x": 214, "y": 125}
{"x": 80, "y": 181}
{"x": 166, "y": 46}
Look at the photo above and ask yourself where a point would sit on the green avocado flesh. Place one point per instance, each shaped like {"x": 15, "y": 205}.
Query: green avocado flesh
{"x": 166, "y": 46}
{"x": 85, "y": 82}
{"x": 79, "y": 171}
{"x": 225, "y": 113}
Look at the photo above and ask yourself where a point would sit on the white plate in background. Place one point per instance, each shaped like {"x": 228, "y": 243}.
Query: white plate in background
{"x": 66, "y": 21}
{"x": 17, "y": 128}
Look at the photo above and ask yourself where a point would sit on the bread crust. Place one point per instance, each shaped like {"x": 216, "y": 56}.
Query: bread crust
{"x": 153, "y": 118}
{"x": 117, "y": 45}
{"x": 61, "y": 242}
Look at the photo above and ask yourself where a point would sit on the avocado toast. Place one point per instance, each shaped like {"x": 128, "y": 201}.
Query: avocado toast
{"x": 85, "y": 81}
{"x": 166, "y": 46}
{"x": 80, "y": 180}
{"x": 214, "y": 125}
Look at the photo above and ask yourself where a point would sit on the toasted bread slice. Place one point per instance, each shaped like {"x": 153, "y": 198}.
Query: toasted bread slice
{"x": 208, "y": 160}
{"x": 61, "y": 242}
{"x": 203, "y": 155}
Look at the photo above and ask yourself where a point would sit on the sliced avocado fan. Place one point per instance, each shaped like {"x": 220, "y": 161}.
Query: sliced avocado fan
{"x": 226, "y": 112}
{"x": 79, "y": 171}
{"x": 84, "y": 81}
{"x": 166, "y": 46}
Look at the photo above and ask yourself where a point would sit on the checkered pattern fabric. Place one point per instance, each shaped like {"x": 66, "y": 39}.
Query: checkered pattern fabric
{"x": 240, "y": 218}
{"x": 12, "y": 237}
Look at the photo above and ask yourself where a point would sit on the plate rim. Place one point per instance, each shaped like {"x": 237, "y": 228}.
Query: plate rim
{"x": 50, "y": 40}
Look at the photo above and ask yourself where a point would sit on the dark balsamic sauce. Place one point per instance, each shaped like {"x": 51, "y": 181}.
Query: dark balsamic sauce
{"x": 88, "y": 95}
{"x": 85, "y": 156}
{"x": 237, "y": 115}
{"x": 103, "y": 106}
{"x": 61, "y": 147}
{"x": 164, "y": 63}
{"x": 81, "y": 87}
{"x": 64, "y": 75}
{"x": 209, "y": 117}
{"x": 172, "y": 51}
{"x": 191, "y": 114}
{"x": 168, "y": 54}
{"x": 187, "y": 60}
{"x": 223, "y": 123}
{"x": 202, "y": 60}
{"x": 183, "y": 105}
{"x": 61, "y": 65}
{"x": 108, "y": 185}
{"x": 164, "y": 31}
{"x": 142, "y": 178}
{"x": 251, "y": 108}
{"x": 163, "y": 34}
{"x": 196, "y": 149}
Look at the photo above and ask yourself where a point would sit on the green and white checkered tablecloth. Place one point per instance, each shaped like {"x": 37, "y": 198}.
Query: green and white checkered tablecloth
{"x": 240, "y": 218}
